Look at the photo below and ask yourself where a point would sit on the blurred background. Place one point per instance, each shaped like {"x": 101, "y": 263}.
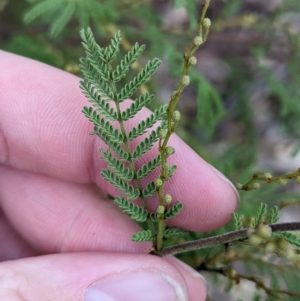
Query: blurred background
{"x": 242, "y": 111}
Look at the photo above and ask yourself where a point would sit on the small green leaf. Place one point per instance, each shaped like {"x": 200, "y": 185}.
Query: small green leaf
{"x": 274, "y": 215}
{"x": 261, "y": 214}
{"x": 117, "y": 167}
{"x": 237, "y": 221}
{"x": 174, "y": 232}
{"x": 140, "y": 79}
{"x": 149, "y": 190}
{"x": 147, "y": 168}
{"x": 173, "y": 211}
{"x": 135, "y": 212}
{"x": 290, "y": 237}
{"x": 145, "y": 235}
{"x": 120, "y": 184}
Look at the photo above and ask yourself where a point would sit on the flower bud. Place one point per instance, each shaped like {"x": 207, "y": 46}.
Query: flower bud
{"x": 270, "y": 247}
{"x": 264, "y": 231}
{"x": 206, "y": 23}
{"x": 170, "y": 150}
{"x": 239, "y": 186}
{"x": 282, "y": 182}
{"x": 267, "y": 175}
{"x": 162, "y": 133}
{"x": 160, "y": 210}
{"x": 176, "y": 115}
{"x": 255, "y": 240}
{"x": 185, "y": 80}
{"x": 158, "y": 183}
{"x": 168, "y": 198}
{"x": 192, "y": 60}
{"x": 198, "y": 41}
{"x": 289, "y": 254}
{"x": 256, "y": 186}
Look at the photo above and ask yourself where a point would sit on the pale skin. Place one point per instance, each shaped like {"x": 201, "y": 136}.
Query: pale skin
{"x": 53, "y": 199}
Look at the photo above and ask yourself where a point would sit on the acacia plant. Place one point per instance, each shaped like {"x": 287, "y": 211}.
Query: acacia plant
{"x": 104, "y": 89}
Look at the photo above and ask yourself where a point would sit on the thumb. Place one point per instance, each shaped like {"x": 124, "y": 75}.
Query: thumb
{"x": 98, "y": 277}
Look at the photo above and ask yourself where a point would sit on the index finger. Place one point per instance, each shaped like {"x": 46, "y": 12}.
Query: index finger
{"x": 43, "y": 131}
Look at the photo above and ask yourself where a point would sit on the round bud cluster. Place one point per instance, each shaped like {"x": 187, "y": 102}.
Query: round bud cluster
{"x": 298, "y": 179}
{"x": 198, "y": 41}
{"x": 158, "y": 183}
{"x": 270, "y": 247}
{"x": 176, "y": 115}
{"x": 160, "y": 210}
{"x": 168, "y": 198}
{"x": 170, "y": 150}
{"x": 192, "y": 60}
{"x": 264, "y": 231}
{"x": 162, "y": 133}
{"x": 282, "y": 182}
{"x": 206, "y": 23}
{"x": 256, "y": 186}
{"x": 255, "y": 240}
{"x": 239, "y": 186}
{"x": 185, "y": 80}
{"x": 289, "y": 254}
{"x": 166, "y": 166}
{"x": 267, "y": 175}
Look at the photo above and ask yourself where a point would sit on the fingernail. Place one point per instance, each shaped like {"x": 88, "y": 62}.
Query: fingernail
{"x": 231, "y": 184}
{"x": 135, "y": 286}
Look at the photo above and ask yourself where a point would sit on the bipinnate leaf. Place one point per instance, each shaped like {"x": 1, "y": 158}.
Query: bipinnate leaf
{"x": 120, "y": 184}
{"x": 261, "y": 214}
{"x": 123, "y": 68}
{"x": 117, "y": 166}
{"x": 140, "y": 79}
{"x": 149, "y": 190}
{"x": 174, "y": 232}
{"x": 141, "y": 128}
{"x": 147, "y": 168}
{"x": 171, "y": 170}
{"x": 135, "y": 212}
{"x": 145, "y": 235}
{"x": 136, "y": 106}
{"x": 145, "y": 145}
{"x": 99, "y": 100}
{"x": 102, "y": 125}
{"x": 173, "y": 211}
{"x": 274, "y": 215}
{"x": 237, "y": 221}
{"x": 111, "y": 51}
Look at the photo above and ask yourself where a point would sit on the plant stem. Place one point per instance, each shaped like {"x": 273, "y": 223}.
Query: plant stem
{"x": 223, "y": 239}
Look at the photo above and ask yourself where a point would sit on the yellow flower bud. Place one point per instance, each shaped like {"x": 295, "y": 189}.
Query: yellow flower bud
{"x": 160, "y": 210}
{"x": 168, "y": 198}
{"x": 158, "y": 183}
{"x": 282, "y": 182}
{"x": 206, "y": 23}
{"x": 185, "y": 80}
{"x": 192, "y": 60}
{"x": 198, "y": 41}
{"x": 176, "y": 115}
{"x": 239, "y": 186}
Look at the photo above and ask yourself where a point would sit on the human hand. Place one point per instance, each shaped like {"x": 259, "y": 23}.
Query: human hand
{"x": 50, "y": 205}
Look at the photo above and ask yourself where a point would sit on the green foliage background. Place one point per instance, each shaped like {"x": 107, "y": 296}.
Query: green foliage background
{"x": 249, "y": 40}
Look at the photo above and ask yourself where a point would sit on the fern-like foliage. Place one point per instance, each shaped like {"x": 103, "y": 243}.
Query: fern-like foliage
{"x": 141, "y": 236}
{"x": 237, "y": 221}
{"x": 60, "y": 12}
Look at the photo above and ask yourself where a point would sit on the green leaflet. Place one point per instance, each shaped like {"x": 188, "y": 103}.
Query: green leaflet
{"x": 140, "y": 79}
{"x": 136, "y": 106}
{"x": 135, "y": 212}
{"x": 120, "y": 184}
{"x": 147, "y": 168}
{"x": 149, "y": 190}
{"x": 145, "y": 145}
{"x": 123, "y": 68}
{"x": 102, "y": 125}
{"x": 117, "y": 167}
{"x": 141, "y": 128}
{"x": 274, "y": 215}
{"x": 290, "y": 237}
{"x": 262, "y": 211}
{"x": 173, "y": 211}
{"x": 145, "y": 235}
{"x": 99, "y": 100}
{"x": 237, "y": 221}
{"x": 174, "y": 232}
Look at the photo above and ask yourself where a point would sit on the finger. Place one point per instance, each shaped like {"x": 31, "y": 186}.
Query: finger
{"x": 91, "y": 277}
{"x": 50, "y": 136}
{"x": 55, "y": 216}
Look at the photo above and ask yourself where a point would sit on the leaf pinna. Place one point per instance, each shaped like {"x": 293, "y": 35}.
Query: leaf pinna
{"x": 100, "y": 86}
